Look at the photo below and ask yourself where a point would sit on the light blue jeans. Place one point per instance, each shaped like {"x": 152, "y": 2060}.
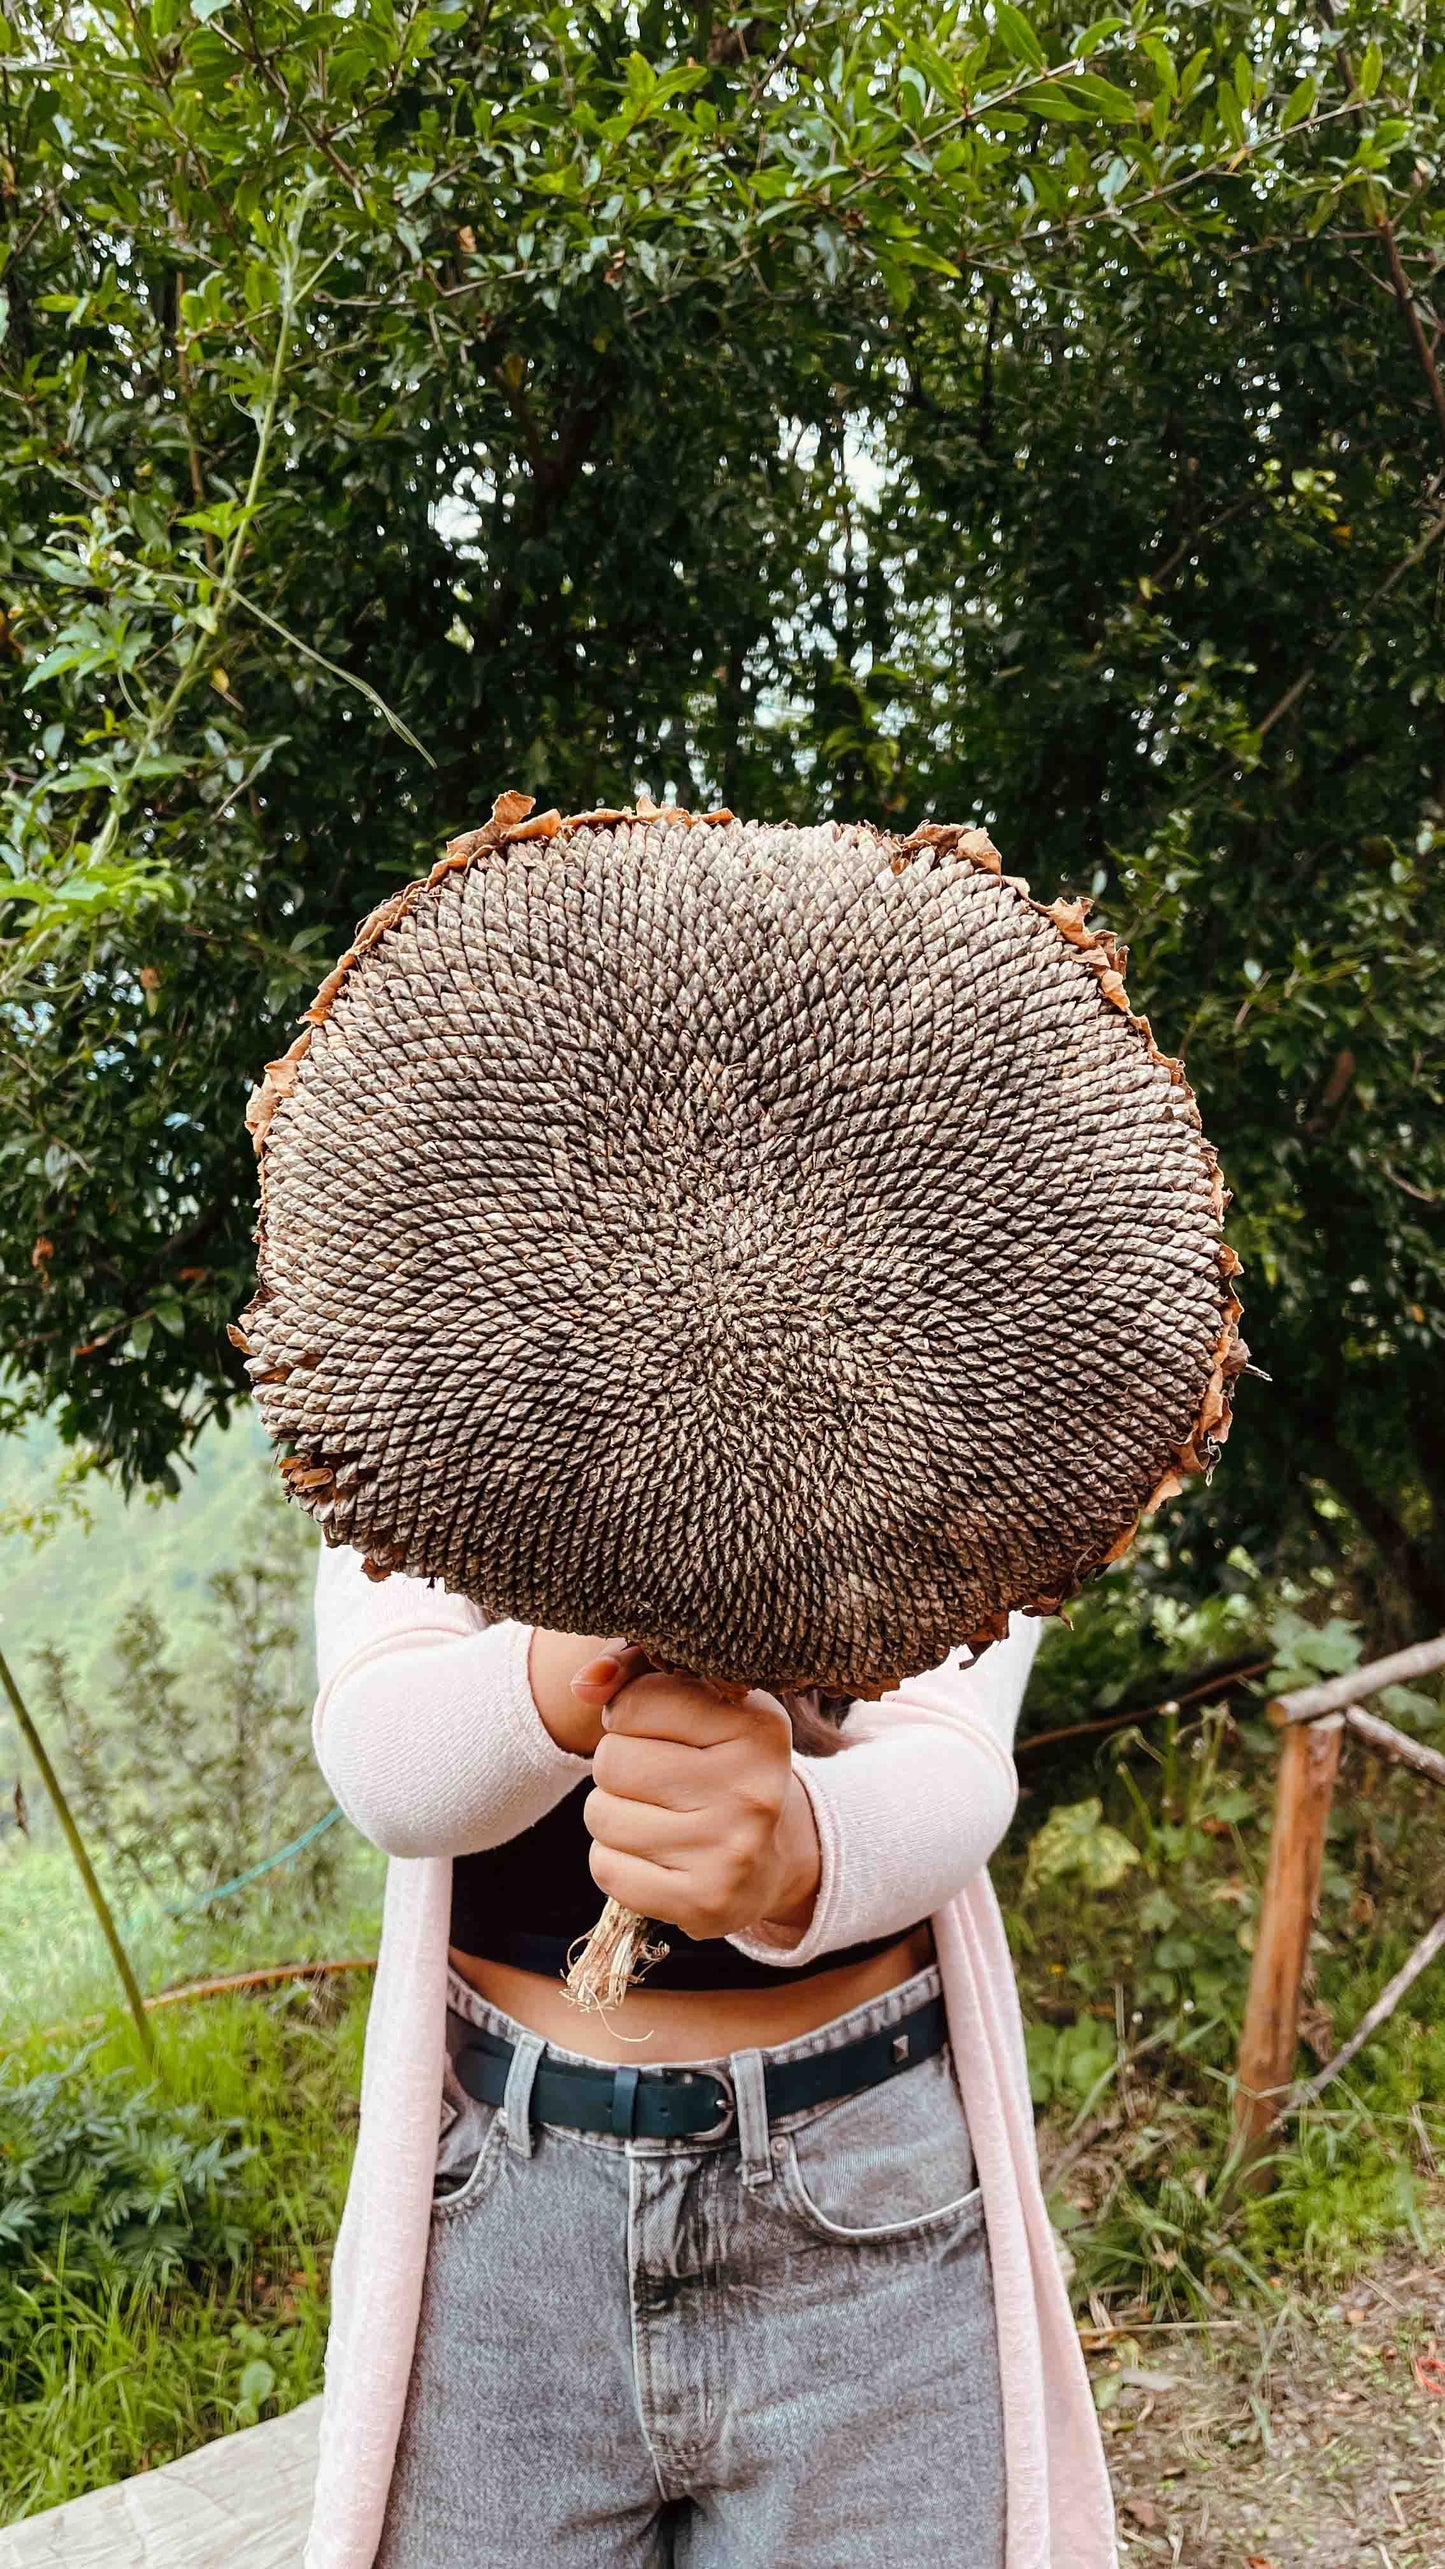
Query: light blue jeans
{"x": 773, "y": 2350}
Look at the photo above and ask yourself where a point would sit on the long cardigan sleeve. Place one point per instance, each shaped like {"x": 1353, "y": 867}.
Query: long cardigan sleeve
{"x": 428, "y": 1734}
{"x": 913, "y": 1807}
{"x": 425, "y": 1725}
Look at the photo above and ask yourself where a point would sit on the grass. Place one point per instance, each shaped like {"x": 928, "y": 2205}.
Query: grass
{"x": 56, "y": 1971}
{"x": 98, "y": 2383}
{"x": 102, "y": 1552}
{"x": 1132, "y": 1925}
{"x": 104, "y": 2376}
{"x": 1134, "y": 1995}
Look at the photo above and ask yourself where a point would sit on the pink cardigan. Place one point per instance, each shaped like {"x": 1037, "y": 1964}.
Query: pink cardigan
{"x": 428, "y": 1735}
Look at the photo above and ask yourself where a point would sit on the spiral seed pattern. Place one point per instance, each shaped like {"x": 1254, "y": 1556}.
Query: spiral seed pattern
{"x": 779, "y": 1245}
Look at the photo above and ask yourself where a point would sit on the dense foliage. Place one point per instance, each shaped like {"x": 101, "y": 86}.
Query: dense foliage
{"x": 104, "y": 2180}
{"x": 827, "y": 407}
{"x": 164, "y": 2248}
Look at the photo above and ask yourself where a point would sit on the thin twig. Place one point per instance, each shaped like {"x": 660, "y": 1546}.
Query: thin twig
{"x": 1219, "y": 1683}
{"x": 1386, "y": 1741}
{"x": 219, "y": 1988}
{"x": 84, "y": 1867}
{"x": 1374, "y": 2017}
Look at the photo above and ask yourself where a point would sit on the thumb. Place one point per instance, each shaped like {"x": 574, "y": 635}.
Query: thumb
{"x": 607, "y": 1674}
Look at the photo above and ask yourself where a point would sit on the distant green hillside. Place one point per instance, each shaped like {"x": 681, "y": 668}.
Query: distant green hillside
{"x": 71, "y": 1587}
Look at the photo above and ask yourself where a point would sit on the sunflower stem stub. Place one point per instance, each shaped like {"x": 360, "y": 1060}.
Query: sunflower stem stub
{"x": 619, "y": 1950}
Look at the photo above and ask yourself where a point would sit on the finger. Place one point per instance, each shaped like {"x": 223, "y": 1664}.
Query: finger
{"x": 687, "y": 1709}
{"x": 665, "y": 1772}
{"x": 614, "y": 1668}
{"x": 641, "y": 1828}
{"x": 650, "y": 1889}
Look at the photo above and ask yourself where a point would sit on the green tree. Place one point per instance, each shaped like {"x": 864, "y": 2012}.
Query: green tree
{"x": 832, "y": 409}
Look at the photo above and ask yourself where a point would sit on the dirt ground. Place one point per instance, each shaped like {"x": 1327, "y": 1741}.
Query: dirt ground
{"x": 1313, "y": 2436}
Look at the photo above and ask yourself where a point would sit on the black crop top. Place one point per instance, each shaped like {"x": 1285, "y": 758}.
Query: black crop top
{"x": 527, "y": 1903}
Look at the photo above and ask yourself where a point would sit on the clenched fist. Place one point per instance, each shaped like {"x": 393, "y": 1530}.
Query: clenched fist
{"x": 697, "y": 1817}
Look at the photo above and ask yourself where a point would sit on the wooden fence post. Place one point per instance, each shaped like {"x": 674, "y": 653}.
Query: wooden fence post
{"x": 1308, "y": 1761}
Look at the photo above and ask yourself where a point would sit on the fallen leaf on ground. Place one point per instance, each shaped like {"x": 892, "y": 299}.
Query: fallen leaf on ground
{"x": 1143, "y": 2511}
{"x": 1430, "y": 2374}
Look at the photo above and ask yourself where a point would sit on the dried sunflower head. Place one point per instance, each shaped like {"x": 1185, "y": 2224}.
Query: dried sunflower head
{"x": 780, "y": 1245}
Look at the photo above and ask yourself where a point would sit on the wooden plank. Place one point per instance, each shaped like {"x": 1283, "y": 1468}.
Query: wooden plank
{"x": 1308, "y": 1762}
{"x": 242, "y": 2503}
{"x": 1333, "y": 1693}
{"x": 1388, "y": 1742}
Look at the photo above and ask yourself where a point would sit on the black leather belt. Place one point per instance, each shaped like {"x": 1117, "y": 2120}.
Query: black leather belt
{"x": 678, "y": 2104}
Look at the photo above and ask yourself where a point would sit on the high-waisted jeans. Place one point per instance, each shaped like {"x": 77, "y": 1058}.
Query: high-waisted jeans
{"x": 773, "y": 2350}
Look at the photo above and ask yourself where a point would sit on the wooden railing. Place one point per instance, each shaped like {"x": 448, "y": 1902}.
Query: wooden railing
{"x": 1315, "y": 1724}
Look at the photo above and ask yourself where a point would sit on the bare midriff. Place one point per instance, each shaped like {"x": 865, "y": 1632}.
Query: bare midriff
{"x": 675, "y": 2025}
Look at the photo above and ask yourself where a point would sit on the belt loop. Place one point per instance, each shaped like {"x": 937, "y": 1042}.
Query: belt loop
{"x": 517, "y": 2101}
{"x": 624, "y": 2102}
{"x": 752, "y": 2104}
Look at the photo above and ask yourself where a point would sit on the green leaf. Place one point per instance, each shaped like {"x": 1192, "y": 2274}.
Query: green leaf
{"x": 1304, "y": 1652}
{"x": 1049, "y": 98}
{"x": 1371, "y": 65}
{"x": 1163, "y": 61}
{"x": 1076, "y": 1840}
{"x": 919, "y": 255}
{"x": 1156, "y": 1913}
{"x": 1099, "y": 34}
{"x": 1300, "y": 103}
{"x": 1104, "y": 96}
{"x": 1018, "y": 35}
{"x": 66, "y": 655}
{"x": 1234, "y": 1802}
{"x": 1409, "y": 1704}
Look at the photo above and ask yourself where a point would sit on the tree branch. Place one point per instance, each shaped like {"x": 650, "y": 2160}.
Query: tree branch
{"x": 1420, "y": 1573}
{"x": 1413, "y": 323}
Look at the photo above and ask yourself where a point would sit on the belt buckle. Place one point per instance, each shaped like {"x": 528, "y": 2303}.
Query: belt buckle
{"x": 719, "y": 2131}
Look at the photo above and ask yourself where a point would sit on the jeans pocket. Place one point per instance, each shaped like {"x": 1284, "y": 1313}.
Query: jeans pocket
{"x": 893, "y": 2162}
{"x": 468, "y": 2161}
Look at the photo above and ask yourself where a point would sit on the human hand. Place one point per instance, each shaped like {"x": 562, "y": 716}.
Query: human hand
{"x": 573, "y": 1678}
{"x": 696, "y": 1814}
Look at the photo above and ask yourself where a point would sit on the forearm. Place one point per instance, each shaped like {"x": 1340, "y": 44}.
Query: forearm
{"x": 900, "y": 1835}
{"x": 427, "y": 1728}
{"x": 912, "y": 1809}
{"x": 434, "y": 1746}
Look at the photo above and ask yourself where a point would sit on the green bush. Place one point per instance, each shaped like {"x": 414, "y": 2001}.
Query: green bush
{"x": 102, "y": 2181}
{"x": 164, "y": 2274}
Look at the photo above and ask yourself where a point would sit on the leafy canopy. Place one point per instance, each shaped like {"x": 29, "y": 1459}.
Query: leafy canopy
{"x": 969, "y": 410}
